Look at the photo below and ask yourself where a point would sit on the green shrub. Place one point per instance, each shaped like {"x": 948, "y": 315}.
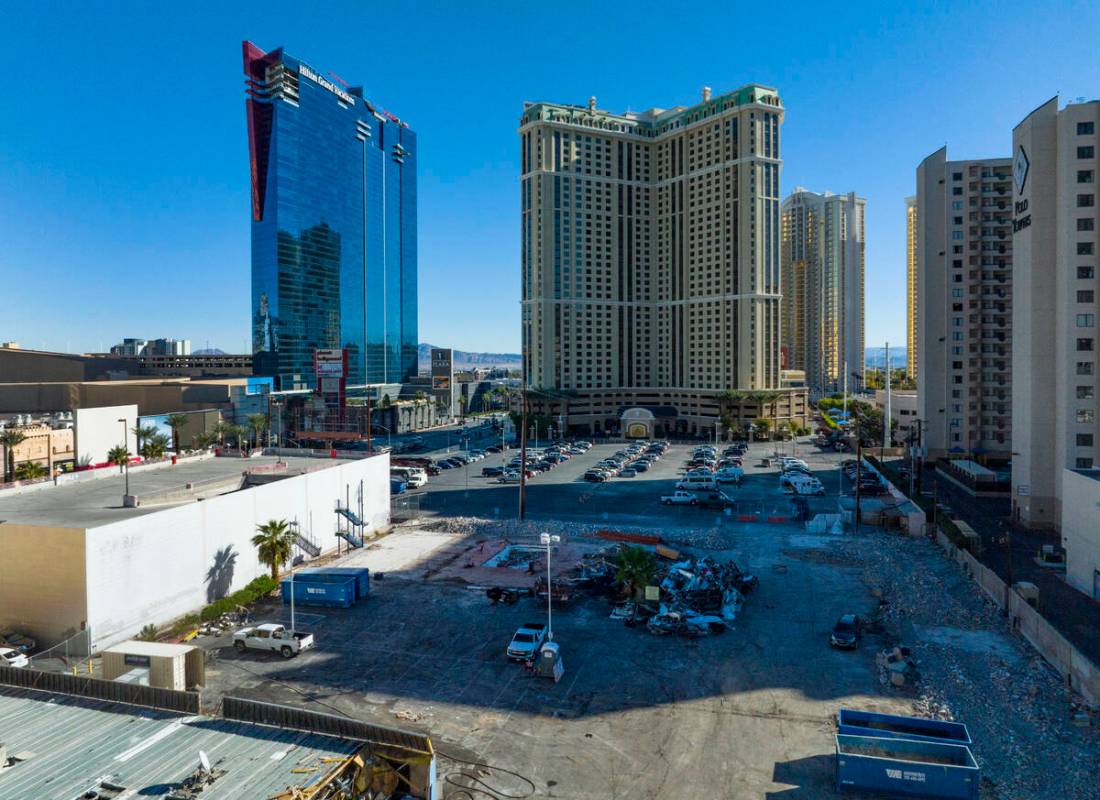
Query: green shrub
{"x": 256, "y": 588}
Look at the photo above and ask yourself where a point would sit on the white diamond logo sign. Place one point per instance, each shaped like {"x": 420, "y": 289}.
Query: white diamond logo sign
{"x": 1019, "y": 169}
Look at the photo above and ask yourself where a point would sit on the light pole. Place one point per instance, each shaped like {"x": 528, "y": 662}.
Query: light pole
{"x": 548, "y": 540}
{"x": 126, "y": 465}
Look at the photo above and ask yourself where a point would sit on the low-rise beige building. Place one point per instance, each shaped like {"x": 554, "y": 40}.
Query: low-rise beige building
{"x": 1080, "y": 533}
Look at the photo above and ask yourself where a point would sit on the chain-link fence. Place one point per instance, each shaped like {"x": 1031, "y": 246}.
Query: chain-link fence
{"x": 405, "y": 507}
{"x": 73, "y": 655}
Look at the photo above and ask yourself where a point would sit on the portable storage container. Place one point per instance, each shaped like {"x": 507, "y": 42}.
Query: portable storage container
{"x": 906, "y": 767}
{"x": 331, "y": 594}
{"x": 869, "y": 723}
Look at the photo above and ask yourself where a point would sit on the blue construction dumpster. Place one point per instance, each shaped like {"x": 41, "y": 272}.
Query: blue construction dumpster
{"x": 336, "y": 593}
{"x": 338, "y": 575}
{"x": 868, "y": 723}
{"x": 906, "y": 767}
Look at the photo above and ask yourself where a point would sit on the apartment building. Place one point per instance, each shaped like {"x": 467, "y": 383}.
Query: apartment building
{"x": 911, "y": 337}
{"x": 650, "y": 264}
{"x": 1055, "y": 253}
{"x": 964, "y": 255}
{"x": 822, "y": 269}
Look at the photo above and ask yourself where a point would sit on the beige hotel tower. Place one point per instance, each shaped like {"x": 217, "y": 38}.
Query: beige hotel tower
{"x": 650, "y": 265}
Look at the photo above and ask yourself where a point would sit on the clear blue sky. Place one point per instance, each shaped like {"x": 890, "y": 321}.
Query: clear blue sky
{"x": 124, "y": 205}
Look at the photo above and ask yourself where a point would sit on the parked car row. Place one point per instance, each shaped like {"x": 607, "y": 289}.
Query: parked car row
{"x": 628, "y": 462}
{"x": 538, "y": 461}
{"x": 868, "y": 482}
{"x": 705, "y": 469}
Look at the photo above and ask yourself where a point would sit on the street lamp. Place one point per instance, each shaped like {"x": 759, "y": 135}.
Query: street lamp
{"x": 126, "y": 465}
{"x": 548, "y": 540}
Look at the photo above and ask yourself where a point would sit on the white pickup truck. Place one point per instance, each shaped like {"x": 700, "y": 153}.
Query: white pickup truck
{"x": 526, "y": 641}
{"x": 273, "y": 637}
{"x": 680, "y": 498}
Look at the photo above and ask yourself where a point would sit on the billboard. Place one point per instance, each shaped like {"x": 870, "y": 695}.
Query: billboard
{"x": 331, "y": 369}
{"x": 443, "y": 377}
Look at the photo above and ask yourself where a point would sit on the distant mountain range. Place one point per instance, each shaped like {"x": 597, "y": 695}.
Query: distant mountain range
{"x": 208, "y": 351}
{"x": 462, "y": 359}
{"x": 875, "y": 357}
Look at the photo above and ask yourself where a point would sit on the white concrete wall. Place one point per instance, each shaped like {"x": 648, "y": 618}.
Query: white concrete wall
{"x": 154, "y": 568}
{"x": 97, "y": 430}
{"x": 1080, "y": 533}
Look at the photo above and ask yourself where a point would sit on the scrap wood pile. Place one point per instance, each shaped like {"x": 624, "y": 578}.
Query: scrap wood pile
{"x": 698, "y": 596}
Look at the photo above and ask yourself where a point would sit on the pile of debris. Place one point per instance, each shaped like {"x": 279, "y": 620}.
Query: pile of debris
{"x": 897, "y": 668}
{"x": 696, "y": 597}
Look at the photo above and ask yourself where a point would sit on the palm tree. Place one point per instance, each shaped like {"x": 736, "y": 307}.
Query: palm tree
{"x": 143, "y": 433}
{"x": 155, "y": 446}
{"x": 119, "y": 454}
{"x": 274, "y": 544}
{"x": 462, "y": 406}
{"x": 635, "y": 569}
{"x": 10, "y": 439}
{"x": 176, "y": 422}
{"x": 419, "y": 400}
{"x": 30, "y": 471}
{"x": 203, "y": 439}
{"x": 258, "y": 424}
{"x": 221, "y": 430}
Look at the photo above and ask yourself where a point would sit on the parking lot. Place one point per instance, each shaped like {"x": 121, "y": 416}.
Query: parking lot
{"x": 562, "y": 493}
{"x": 744, "y": 714}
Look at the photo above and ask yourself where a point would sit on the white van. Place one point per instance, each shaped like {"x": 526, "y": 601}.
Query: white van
{"x": 414, "y": 477}
{"x": 806, "y": 485}
{"x": 697, "y": 483}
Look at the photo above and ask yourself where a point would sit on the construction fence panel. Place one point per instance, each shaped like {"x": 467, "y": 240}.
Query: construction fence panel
{"x": 97, "y": 689}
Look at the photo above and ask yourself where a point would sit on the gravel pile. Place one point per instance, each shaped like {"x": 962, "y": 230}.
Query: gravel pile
{"x": 1015, "y": 705}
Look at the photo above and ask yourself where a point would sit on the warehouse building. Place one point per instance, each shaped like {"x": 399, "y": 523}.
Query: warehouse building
{"x": 107, "y": 555}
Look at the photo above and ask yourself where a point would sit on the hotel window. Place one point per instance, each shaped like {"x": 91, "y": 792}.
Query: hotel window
{"x": 1085, "y": 201}
{"x": 1086, "y": 151}
{"x": 1084, "y": 248}
{"x": 1085, "y": 415}
{"x": 1086, "y": 320}
{"x": 1084, "y": 393}
{"x": 1084, "y": 176}
{"x": 1084, "y": 272}
{"x": 1085, "y": 128}
{"x": 1085, "y": 295}
{"x": 1086, "y": 224}
{"x": 1084, "y": 345}
{"x": 1084, "y": 367}
{"x": 1084, "y": 463}
{"x": 1084, "y": 440}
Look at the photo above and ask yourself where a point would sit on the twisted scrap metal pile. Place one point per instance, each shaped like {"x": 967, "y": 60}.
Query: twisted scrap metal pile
{"x": 697, "y": 597}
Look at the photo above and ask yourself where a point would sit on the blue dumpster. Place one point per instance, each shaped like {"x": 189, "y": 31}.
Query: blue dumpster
{"x": 338, "y": 575}
{"x": 338, "y": 593}
{"x": 906, "y": 767}
{"x": 868, "y": 723}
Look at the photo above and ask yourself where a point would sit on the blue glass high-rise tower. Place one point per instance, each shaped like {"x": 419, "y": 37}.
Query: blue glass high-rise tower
{"x": 333, "y": 226}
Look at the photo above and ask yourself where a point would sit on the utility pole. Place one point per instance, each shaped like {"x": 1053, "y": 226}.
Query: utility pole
{"x": 886, "y": 416}
{"x": 523, "y": 456}
{"x": 846, "y": 393}
{"x": 859, "y": 477}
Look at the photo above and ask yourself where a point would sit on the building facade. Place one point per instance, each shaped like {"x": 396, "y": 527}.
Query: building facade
{"x": 334, "y": 262}
{"x": 965, "y": 312}
{"x": 152, "y": 347}
{"x": 911, "y": 296}
{"x": 650, "y": 261}
{"x": 1055, "y": 252}
{"x": 822, "y": 262}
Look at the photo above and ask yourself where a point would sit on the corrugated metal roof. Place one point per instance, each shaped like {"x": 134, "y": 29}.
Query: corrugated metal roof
{"x": 79, "y": 743}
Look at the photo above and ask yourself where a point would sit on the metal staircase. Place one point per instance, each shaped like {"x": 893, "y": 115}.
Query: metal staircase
{"x": 306, "y": 545}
